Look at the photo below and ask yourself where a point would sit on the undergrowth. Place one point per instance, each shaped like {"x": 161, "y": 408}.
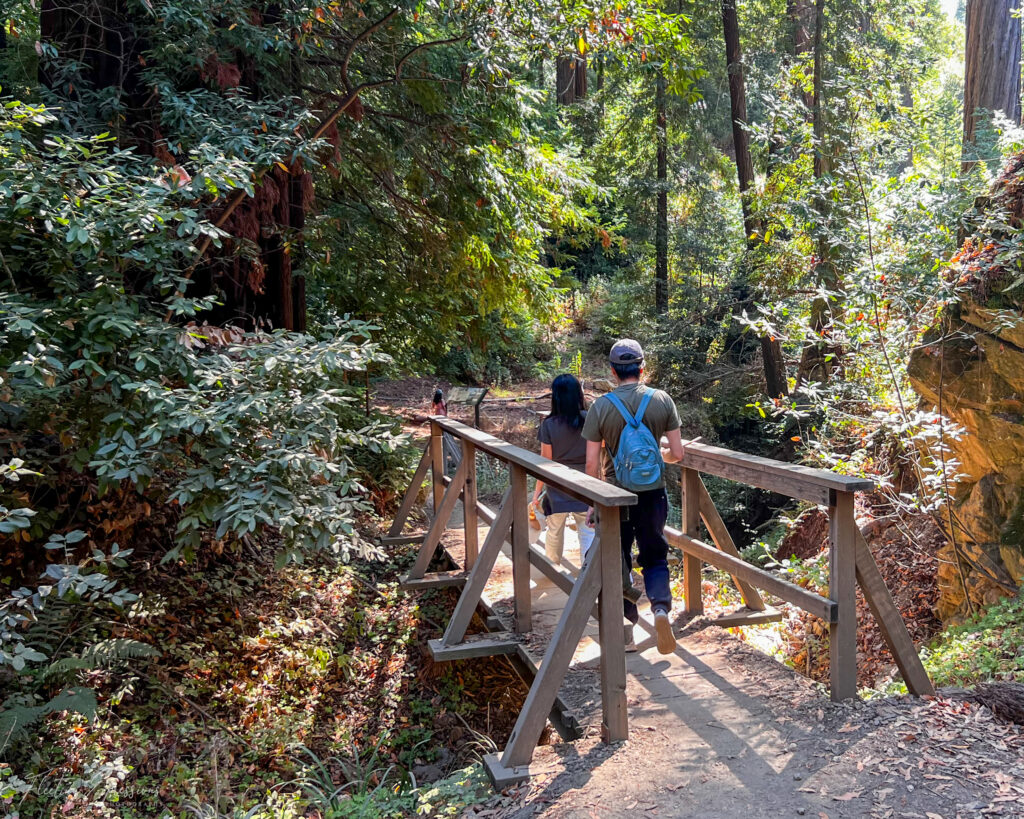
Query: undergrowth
{"x": 278, "y": 692}
{"x": 988, "y": 647}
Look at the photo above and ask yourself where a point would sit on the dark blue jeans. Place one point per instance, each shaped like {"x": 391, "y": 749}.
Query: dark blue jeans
{"x": 644, "y": 524}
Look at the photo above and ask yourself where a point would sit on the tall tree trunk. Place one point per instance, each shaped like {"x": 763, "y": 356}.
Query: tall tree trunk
{"x": 771, "y": 348}
{"x": 570, "y": 79}
{"x": 907, "y": 103}
{"x": 821, "y": 354}
{"x": 661, "y": 228}
{"x": 103, "y": 43}
{"x": 581, "y": 77}
{"x": 565, "y": 80}
{"x": 991, "y": 64}
{"x": 738, "y": 104}
{"x": 801, "y": 25}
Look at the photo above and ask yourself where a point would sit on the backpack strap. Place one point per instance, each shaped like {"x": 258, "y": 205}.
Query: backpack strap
{"x": 648, "y": 395}
{"x": 626, "y": 416}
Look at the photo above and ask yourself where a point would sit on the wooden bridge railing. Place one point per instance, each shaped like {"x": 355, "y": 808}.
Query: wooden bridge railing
{"x": 600, "y": 578}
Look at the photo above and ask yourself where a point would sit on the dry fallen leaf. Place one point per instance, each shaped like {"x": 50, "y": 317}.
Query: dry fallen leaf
{"x": 846, "y": 797}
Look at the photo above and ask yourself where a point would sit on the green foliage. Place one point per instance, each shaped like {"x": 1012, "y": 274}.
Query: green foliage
{"x": 988, "y": 647}
{"x": 238, "y": 431}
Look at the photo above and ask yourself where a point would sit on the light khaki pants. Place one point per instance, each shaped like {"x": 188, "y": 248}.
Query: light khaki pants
{"x": 554, "y": 538}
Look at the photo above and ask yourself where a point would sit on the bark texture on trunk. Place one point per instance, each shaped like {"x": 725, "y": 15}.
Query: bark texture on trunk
{"x": 661, "y": 228}
{"x": 570, "y": 79}
{"x": 738, "y": 106}
{"x": 771, "y": 349}
{"x": 821, "y": 355}
{"x": 991, "y": 63}
{"x": 254, "y": 272}
{"x": 800, "y": 14}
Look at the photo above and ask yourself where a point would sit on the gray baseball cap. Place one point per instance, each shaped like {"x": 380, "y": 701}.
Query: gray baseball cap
{"x": 626, "y": 351}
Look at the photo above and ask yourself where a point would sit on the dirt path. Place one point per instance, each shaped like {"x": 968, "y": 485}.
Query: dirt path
{"x": 718, "y": 729}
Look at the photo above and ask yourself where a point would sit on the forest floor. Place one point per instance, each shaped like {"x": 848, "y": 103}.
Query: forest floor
{"x": 720, "y": 727}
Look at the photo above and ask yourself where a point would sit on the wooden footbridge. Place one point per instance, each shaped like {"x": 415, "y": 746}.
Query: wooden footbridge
{"x": 596, "y": 590}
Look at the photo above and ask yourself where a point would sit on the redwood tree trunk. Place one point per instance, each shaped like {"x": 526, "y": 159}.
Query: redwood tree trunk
{"x": 801, "y": 18}
{"x": 565, "y": 80}
{"x": 821, "y": 354}
{"x": 991, "y": 63}
{"x": 570, "y": 79}
{"x": 771, "y": 348}
{"x": 581, "y": 77}
{"x": 102, "y": 40}
{"x": 661, "y": 228}
{"x": 738, "y": 103}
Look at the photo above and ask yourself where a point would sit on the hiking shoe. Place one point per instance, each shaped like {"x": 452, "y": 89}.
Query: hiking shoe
{"x": 627, "y": 631}
{"x": 663, "y": 628}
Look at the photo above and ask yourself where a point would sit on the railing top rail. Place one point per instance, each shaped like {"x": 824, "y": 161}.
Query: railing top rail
{"x": 554, "y": 474}
{"x": 797, "y": 481}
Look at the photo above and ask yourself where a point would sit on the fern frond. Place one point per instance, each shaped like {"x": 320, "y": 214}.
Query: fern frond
{"x": 103, "y": 654}
{"x": 15, "y": 718}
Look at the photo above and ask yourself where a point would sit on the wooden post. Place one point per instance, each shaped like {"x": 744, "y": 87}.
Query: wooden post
{"x": 843, "y": 589}
{"x": 608, "y": 549}
{"x": 469, "y": 517}
{"x": 692, "y": 565}
{"x": 520, "y": 550}
{"x": 436, "y": 463}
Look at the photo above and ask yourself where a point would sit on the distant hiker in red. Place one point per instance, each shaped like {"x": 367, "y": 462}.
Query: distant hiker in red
{"x": 438, "y": 406}
{"x": 452, "y": 451}
{"x": 630, "y": 421}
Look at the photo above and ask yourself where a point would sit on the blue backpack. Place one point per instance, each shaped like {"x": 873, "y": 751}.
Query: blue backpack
{"x": 638, "y": 462}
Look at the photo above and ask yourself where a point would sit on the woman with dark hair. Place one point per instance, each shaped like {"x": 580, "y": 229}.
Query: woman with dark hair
{"x": 438, "y": 406}
{"x": 452, "y": 452}
{"x": 561, "y": 441}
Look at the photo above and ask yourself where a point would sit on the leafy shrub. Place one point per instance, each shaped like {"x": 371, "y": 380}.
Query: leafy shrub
{"x": 214, "y": 434}
{"x": 989, "y": 646}
{"x": 507, "y": 351}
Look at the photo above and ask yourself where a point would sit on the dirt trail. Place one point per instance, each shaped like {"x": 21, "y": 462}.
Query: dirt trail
{"x": 719, "y": 729}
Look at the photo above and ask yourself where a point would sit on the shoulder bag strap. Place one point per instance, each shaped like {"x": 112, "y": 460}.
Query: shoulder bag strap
{"x": 617, "y": 403}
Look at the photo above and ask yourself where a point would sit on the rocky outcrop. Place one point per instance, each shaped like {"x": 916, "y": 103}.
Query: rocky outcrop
{"x": 976, "y": 361}
{"x": 971, "y": 369}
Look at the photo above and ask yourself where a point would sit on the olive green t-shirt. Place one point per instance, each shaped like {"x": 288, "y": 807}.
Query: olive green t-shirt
{"x": 605, "y": 422}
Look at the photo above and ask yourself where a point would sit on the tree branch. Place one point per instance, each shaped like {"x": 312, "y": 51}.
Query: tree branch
{"x": 366, "y": 32}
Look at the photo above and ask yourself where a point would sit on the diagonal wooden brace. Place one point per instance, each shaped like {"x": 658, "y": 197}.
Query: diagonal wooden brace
{"x": 555, "y": 664}
{"x": 723, "y": 540}
{"x": 890, "y": 621}
{"x": 481, "y": 571}
{"x": 440, "y": 522}
{"x": 411, "y": 494}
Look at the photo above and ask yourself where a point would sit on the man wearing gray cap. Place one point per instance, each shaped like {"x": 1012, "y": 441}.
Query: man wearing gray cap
{"x": 615, "y": 419}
